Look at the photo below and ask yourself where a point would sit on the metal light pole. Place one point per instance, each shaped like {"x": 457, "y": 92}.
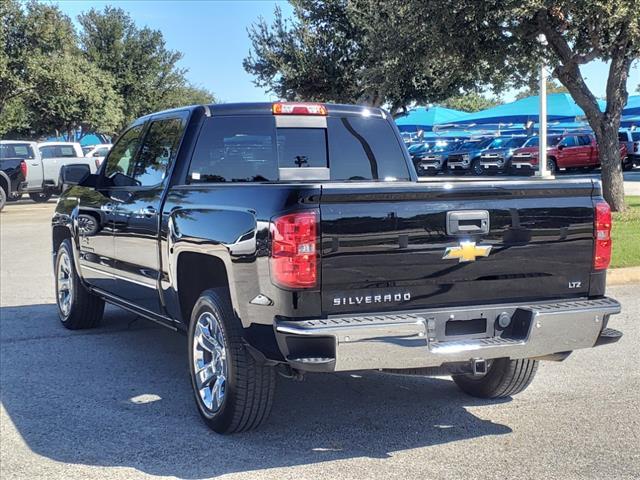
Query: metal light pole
{"x": 542, "y": 172}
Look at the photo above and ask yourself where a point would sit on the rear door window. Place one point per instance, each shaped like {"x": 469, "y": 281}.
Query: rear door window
{"x": 569, "y": 142}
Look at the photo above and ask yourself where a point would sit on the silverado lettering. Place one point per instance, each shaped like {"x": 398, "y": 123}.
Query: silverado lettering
{"x": 386, "y": 298}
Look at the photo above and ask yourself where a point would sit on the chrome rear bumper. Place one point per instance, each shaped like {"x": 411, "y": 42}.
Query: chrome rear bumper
{"x": 422, "y": 338}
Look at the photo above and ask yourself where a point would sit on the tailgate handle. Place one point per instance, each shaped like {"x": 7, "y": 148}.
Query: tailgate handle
{"x": 468, "y": 222}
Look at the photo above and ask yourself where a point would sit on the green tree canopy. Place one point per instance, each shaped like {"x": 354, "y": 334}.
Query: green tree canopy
{"x": 534, "y": 89}
{"x": 471, "y": 102}
{"x": 359, "y": 51}
{"x": 146, "y": 74}
{"x": 111, "y": 72}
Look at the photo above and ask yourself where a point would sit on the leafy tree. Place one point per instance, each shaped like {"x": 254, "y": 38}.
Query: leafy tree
{"x": 358, "y": 51}
{"x": 502, "y": 35}
{"x": 146, "y": 73}
{"x": 471, "y": 102}
{"x": 15, "y": 119}
{"x": 73, "y": 94}
{"x": 534, "y": 89}
{"x": 31, "y": 39}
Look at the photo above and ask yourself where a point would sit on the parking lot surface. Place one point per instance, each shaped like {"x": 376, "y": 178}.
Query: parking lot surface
{"x": 115, "y": 402}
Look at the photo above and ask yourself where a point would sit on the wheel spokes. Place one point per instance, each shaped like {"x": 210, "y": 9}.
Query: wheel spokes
{"x": 209, "y": 361}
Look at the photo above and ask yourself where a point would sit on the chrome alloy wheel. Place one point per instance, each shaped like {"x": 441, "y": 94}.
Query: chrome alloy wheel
{"x": 64, "y": 284}
{"x": 210, "y": 361}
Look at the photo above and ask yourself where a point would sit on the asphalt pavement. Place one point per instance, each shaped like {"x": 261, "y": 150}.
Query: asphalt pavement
{"x": 115, "y": 402}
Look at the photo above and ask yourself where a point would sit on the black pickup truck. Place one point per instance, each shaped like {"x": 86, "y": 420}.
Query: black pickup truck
{"x": 13, "y": 155}
{"x": 290, "y": 238}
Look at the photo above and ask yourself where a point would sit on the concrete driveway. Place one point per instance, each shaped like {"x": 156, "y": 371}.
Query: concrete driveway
{"x": 115, "y": 403}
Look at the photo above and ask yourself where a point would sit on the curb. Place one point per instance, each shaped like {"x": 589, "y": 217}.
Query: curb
{"x": 623, "y": 276}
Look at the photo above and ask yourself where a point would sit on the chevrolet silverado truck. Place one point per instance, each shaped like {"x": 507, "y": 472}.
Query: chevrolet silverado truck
{"x": 498, "y": 160}
{"x": 289, "y": 238}
{"x": 466, "y": 158}
{"x": 434, "y": 160}
{"x": 566, "y": 151}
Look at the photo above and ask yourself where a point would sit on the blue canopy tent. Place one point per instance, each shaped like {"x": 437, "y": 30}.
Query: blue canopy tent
{"x": 560, "y": 107}
{"x": 424, "y": 118}
{"x": 632, "y": 107}
{"x": 629, "y": 121}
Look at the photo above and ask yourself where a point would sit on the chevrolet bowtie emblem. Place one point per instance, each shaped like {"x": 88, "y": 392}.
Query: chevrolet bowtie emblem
{"x": 467, "y": 252}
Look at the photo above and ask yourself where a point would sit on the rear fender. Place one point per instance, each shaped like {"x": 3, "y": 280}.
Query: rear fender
{"x": 229, "y": 235}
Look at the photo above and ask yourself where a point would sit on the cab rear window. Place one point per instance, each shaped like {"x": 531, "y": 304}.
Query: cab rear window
{"x": 252, "y": 149}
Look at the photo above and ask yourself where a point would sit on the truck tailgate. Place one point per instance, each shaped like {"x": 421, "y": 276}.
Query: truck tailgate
{"x": 383, "y": 245}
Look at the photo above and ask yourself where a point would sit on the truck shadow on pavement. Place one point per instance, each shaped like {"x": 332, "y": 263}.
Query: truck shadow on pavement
{"x": 120, "y": 396}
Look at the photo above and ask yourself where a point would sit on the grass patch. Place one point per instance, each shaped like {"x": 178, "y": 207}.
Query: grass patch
{"x": 626, "y": 235}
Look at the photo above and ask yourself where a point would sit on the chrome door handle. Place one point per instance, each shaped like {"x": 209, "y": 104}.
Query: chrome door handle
{"x": 147, "y": 211}
{"x": 107, "y": 208}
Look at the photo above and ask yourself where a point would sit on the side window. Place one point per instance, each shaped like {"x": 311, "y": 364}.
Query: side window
{"x": 622, "y": 136}
{"x": 585, "y": 140}
{"x": 364, "y": 149}
{"x": 66, "y": 151}
{"x": 159, "y": 149}
{"x": 48, "y": 151}
{"x": 568, "y": 142}
{"x": 120, "y": 159}
{"x": 235, "y": 149}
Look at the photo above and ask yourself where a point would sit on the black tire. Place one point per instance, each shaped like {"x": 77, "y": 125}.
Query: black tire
{"x": 248, "y": 386}
{"x": 627, "y": 164}
{"x": 3, "y": 198}
{"x": 40, "y": 197}
{"x": 505, "y": 378}
{"x": 477, "y": 168}
{"x": 84, "y": 309}
{"x": 552, "y": 166}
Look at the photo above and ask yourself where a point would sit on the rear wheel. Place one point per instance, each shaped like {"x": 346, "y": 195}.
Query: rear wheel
{"x": 77, "y": 307}
{"x": 627, "y": 164}
{"x": 232, "y": 390}
{"x": 3, "y": 198}
{"x": 504, "y": 378}
{"x": 40, "y": 197}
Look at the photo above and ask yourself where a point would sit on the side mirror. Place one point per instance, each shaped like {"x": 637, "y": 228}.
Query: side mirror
{"x": 561, "y": 147}
{"x": 74, "y": 174}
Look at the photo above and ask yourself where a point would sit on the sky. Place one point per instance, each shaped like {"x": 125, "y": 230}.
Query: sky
{"x": 212, "y": 35}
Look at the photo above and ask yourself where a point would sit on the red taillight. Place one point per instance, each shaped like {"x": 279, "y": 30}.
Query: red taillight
{"x": 97, "y": 161}
{"x": 284, "y": 108}
{"x": 23, "y": 169}
{"x": 602, "y": 224}
{"x": 294, "y": 260}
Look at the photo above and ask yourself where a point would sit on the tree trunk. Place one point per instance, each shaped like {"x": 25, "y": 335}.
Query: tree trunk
{"x": 611, "y": 164}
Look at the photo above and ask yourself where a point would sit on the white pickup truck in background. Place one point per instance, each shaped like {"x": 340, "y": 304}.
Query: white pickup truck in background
{"x": 43, "y": 171}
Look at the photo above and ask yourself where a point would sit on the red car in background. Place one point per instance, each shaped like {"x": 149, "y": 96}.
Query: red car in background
{"x": 568, "y": 151}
